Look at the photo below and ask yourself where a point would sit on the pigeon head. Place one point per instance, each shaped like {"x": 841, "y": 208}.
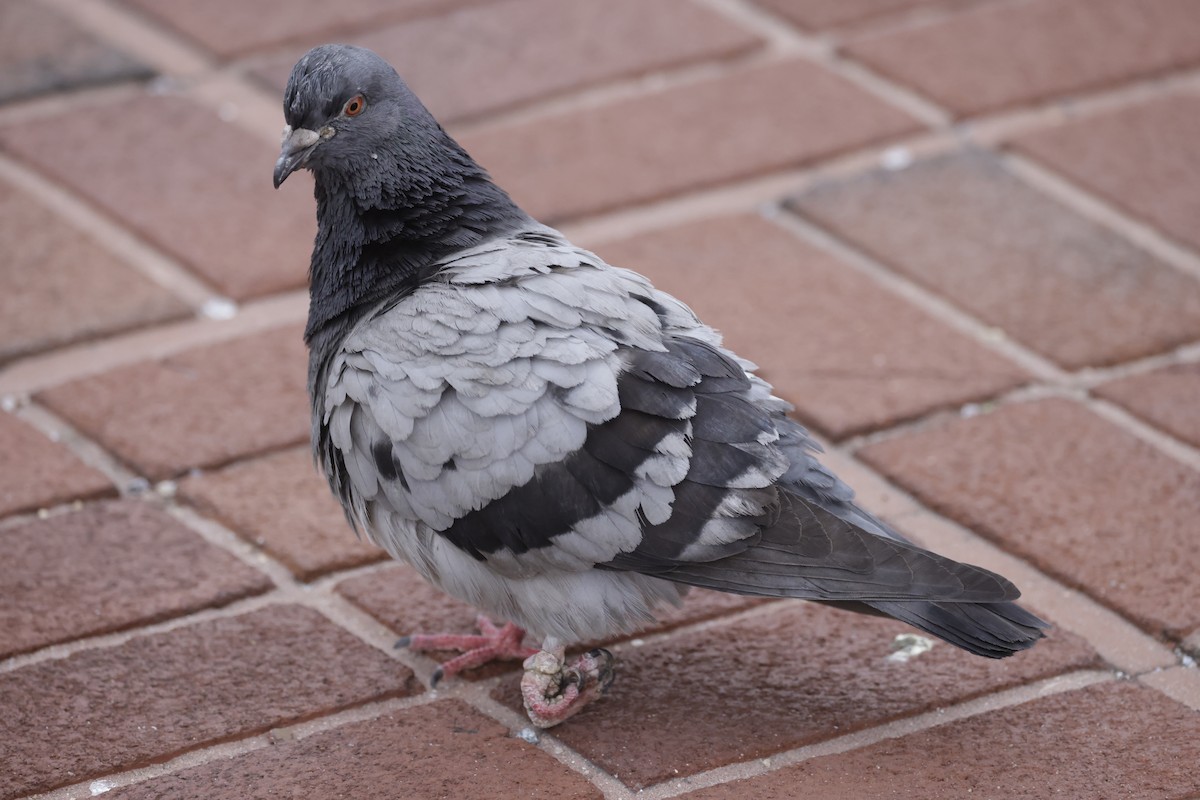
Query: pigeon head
{"x": 344, "y": 104}
{"x": 395, "y": 193}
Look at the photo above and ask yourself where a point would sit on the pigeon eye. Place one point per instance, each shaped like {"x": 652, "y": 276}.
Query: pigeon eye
{"x": 354, "y": 106}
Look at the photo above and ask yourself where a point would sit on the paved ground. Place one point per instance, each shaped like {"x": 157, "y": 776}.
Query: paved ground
{"x": 960, "y": 236}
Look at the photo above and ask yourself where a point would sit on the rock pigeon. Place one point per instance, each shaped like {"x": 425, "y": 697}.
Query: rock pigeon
{"x": 548, "y": 437}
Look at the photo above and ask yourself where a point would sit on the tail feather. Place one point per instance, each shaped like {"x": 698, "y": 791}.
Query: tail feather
{"x": 993, "y": 630}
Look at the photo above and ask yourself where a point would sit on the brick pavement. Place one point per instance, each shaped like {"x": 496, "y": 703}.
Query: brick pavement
{"x": 960, "y": 235}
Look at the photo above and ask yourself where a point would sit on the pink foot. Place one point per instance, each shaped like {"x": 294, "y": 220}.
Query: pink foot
{"x": 493, "y": 644}
{"x": 554, "y": 691}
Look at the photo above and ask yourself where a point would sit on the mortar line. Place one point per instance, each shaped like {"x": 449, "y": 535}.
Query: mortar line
{"x": 361, "y": 624}
{"x": 41, "y": 371}
{"x": 936, "y": 306}
{"x": 896, "y": 94}
{"x": 1186, "y": 454}
{"x": 73, "y": 101}
{"x": 823, "y": 50}
{"x": 940, "y": 416}
{"x": 1093, "y": 207}
{"x": 619, "y": 89}
{"x": 228, "y": 750}
{"x": 225, "y": 538}
{"x": 905, "y": 726}
{"x": 330, "y": 580}
{"x": 747, "y": 194}
{"x": 130, "y": 249}
{"x": 607, "y": 784}
{"x": 905, "y": 19}
{"x": 148, "y": 41}
{"x": 89, "y": 451}
{"x": 1181, "y": 684}
{"x": 1090, "y": 378}
{"x": 103, "y": 641}
{"x": 989, "y": 129}
{"x": 1077, "y": 388}
{"x": 779, "y": 34}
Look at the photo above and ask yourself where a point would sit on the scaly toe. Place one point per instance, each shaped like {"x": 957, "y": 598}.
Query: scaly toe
{"x": 492, "y": 644}
{"x": 554, "y": 691}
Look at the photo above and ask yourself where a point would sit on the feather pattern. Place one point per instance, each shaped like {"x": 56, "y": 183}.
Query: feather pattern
{"x": 558, "y": 443}
{"x": 546, "y": 436}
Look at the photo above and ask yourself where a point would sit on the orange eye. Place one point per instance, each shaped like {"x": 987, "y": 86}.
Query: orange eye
{"x": 354, "y": 106}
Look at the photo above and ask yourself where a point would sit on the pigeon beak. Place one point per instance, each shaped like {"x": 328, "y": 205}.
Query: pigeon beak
{"x": 297, "y": 145}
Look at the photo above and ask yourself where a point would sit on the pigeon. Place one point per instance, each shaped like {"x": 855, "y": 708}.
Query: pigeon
{"x": 551, "y": 438}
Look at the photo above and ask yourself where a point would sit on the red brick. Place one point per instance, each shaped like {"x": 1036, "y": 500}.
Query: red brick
{"x": 105, "y": 568}
{"x": 58, "y": 285}
{"x": 851, "y": 355}
{"x": 446, "y": 749}
{"x": 407, "y": 603}
{"x": 1015, "y": 258}
{"x": 192, "y": 184}
{"x": 1001, "y": 54}
{"x": 151, "y": 698}
{"x": 35, "y": 472}
{"x": 1082, "y": 499}
{"x": 794, "y": 675}
{"x": 1114, "y": 740}
{"x": 823, "y": 14}
{"x": 1144, "y": 159}
{"x": 199, "y": 408}
{"x": 1166, "y": 398}
{"x": 280, "y": 503}
{"x": 510, "y": 53}
{"x": 230, "y": 27}
{"x": 739, "y": 125}
{"x": 42, "y": 51}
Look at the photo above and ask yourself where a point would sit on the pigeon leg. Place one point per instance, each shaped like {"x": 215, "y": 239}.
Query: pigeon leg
{"x": 554, "y": 690}
{"x": 492, "y": 644}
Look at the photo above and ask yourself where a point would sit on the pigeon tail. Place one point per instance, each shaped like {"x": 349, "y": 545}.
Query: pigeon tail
{"x": 992, "y": 630}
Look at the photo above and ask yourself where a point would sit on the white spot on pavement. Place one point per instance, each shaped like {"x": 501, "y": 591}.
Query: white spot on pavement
{"x": 907, "y": 646}
{"x": 8, "y": 403}
{"x": 528, "y": 735}
{"x": 896, "y": 158}
{"x": 100, "y": 787}
{"x": 219, "y": 308}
